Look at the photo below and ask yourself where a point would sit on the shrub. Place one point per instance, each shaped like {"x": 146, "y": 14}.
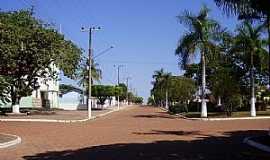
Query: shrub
{"x": 178, "y": 108}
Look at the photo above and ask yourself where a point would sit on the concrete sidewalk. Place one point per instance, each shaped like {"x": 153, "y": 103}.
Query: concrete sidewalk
{"x": 62, "y": 116}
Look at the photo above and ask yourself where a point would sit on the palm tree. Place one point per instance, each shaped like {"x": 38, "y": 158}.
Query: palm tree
{"x": 161, "y": 82}
{"x": 96, "y": 74}
{"x": 249, "y": 10}
{"x": 249, "y": 43}
{"x": 203, "y": 31}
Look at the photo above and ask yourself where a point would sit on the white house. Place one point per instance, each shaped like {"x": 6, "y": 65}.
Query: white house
{"x": 46, "y": 96}
{"x": 74, "y": 101}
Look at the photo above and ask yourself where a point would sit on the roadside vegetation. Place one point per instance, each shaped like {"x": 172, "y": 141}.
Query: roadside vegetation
{"x": 31, "y": 49}
{"x": 231, "y": 77}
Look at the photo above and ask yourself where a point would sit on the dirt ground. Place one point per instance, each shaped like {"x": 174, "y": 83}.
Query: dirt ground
{"x": 138, "y": 133}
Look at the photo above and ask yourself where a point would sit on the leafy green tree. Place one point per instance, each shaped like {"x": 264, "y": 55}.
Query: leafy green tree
{"x": 151, "y": 101}
{"x": 172, "y": 88}
{"x": 103, "y": 92}
{"x": 137, "y": 100}
{"x": 4, "y": 91}
{"x": 249, "y": 47}
{"x": 181, "y": 89}
{"x": 249, "y": 10}
{"x": 160, "y": 86}
{"x": 64, "y": 89}
{"x": 203, "y": 32}
{"x": 123, "y": 94}
{"x": 31, "y": 49}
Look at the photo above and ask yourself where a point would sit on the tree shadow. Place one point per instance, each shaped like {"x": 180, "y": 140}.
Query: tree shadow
{"x": 156, "y": 115}
{"x": 229, "y": 146}
{"x": 177, "y": 133}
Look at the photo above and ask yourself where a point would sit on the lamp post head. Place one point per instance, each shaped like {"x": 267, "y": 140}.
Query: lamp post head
{"x": 82, "y": 29}
{"x": 96, "y": 28}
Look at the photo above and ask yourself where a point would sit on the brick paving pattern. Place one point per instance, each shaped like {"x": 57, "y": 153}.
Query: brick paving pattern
{"x": 138, "y": 133}
{"x": 62, "y": 115}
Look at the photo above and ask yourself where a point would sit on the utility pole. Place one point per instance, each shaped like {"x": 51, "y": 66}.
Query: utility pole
{"x": 118, "y": 82}
{"x": 127, "y": 89}
{"x": 90, "y": 30}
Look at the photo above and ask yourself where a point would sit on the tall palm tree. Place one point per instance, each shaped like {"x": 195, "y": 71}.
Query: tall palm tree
{"x": 166, "y": 79}
{"x": 250, "y": 44}
{"x": 249, "y": 10}
{"x": 161, "y": 82}
{"x": 202, "y": 33}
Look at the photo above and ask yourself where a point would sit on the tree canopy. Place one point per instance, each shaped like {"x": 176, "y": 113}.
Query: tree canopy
{"x": 31, "y": 49}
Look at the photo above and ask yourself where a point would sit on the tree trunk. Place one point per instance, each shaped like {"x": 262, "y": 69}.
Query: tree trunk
{"x": 166, "y": 105}
{"x": 15, "y": 101}
{"x": 203, "y": 104}
{"x": 219, "y": 101}
{"x": 253, "y": 98}
{"x": 118, "y": 103}
{"x": 268, "y": 29}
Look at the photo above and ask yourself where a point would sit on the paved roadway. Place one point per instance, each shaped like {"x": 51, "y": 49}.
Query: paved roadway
{"x": 137, "y": 133}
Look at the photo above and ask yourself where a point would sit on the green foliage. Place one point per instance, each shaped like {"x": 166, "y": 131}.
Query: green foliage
{"x": 4, "y": 91}
{"x": 83, "y": 72}
{"x": 179, "y": 89}
{"x": 103, "y": 92}
{"x": 137, "y": 100}
{"x": 64, "y": 89}
{"x": 203, "y": 31}
{"x": 231, "y": 103}
{"x": 151, "y": 101}
{"x": 123, "y": 92}
{"x": 178, "y": 108}
{"x": 246, "y": 9}
{"x": 31, "y": 49}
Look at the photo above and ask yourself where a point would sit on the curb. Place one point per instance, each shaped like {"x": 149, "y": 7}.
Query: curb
{"x": 10, "y": 143}
{"x": 256, "y": 145}
{"x": 217, "y": 119}
{"x": 237, "y": 118}
{"x": 62, "y": 121}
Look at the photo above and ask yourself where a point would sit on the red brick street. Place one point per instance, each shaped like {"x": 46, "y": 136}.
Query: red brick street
{"x": 135, "y": 133}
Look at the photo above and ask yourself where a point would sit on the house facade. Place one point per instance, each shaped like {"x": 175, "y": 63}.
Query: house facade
{"x": 46, "y": 96}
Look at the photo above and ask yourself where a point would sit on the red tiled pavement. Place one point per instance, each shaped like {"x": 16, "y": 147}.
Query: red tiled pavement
{"x": 136, "y": 133}
{"x": 63, "y": 115}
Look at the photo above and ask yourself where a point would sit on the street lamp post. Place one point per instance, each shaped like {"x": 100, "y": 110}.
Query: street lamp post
{"x": 90, "y": 30}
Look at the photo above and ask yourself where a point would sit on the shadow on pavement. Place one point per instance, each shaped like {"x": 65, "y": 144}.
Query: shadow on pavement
{"x": 156, "y": 115}
{"x": 229, "y": 146}
{"x": 178, "y": 133}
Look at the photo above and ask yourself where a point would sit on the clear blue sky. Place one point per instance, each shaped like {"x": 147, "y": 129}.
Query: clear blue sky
{"x": 144, "y": 32}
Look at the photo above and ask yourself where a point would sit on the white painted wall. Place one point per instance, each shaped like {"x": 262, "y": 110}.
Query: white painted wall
{"x": 70, "y": 101}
